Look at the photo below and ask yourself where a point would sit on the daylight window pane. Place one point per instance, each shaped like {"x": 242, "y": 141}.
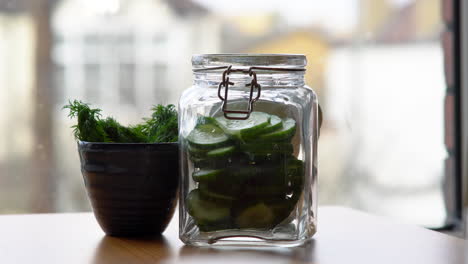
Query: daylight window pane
{"x": 127, "y": 84}
{"x": 384, "y": 72}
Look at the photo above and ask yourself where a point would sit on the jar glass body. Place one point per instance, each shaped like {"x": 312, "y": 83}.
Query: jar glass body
{"x": 253, "y": 181}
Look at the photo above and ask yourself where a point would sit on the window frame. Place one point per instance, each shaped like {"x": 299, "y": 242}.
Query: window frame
{"x": 454, "y": 193}
{"x": 463, "y": 67}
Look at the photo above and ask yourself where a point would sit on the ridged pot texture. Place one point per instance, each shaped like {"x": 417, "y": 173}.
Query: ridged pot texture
{"x": 132, "y": 187}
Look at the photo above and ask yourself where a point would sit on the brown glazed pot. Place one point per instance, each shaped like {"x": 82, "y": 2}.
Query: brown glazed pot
{"x": 132, "y": 186}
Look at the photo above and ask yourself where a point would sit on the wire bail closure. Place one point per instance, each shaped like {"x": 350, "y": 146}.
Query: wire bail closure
{"x": 253, "y": 84}
{"x": 239, "y": 114}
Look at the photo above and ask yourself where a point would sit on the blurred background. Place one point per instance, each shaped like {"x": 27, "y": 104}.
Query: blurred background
{"x": 388, "y": 142}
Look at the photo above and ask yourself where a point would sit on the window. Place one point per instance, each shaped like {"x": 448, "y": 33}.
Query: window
{"x": 92, "y": 77}
{"x": 127, "y": 84}
{"x": 385, "y": 72}
{"x": 59, "y": 82}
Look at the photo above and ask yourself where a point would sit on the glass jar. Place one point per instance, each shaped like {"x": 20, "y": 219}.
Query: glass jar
{"x": 248, "y": 149}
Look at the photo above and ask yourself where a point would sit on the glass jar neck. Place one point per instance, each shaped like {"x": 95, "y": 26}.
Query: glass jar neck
{"x": 267, "y": 79}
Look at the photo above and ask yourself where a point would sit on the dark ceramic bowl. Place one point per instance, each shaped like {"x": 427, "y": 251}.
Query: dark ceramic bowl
{"x": 132, "y": 187}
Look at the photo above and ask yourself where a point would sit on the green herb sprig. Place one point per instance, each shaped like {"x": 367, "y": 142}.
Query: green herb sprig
{"x": 162, "y": 126}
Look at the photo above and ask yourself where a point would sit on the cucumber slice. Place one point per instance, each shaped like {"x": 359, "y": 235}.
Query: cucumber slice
{"x": 203, "y": 120}
{"x": 295, "y": 176}
{"x": 275, "y": 180}
{"x": 295, "y": 173}
{"x": 257, "y": 174}
{"x": 295, "y": 168}
{"x": 213, "y": 163}
{"x": 239, "y": 174}
{"x": 286, "y": 132}
{"x": 215, "y": 153}
{"x": 196, "y": 152}
{"x": 275, "y": 124}
{"x": 216, "y": 194}
{"x": 256, "y": 216}
{"x": 222, "y": 225}
{"x": 207, "y": 136}
{"x": 266, "y": 158}
{"x": 282, "y": 209}
{"x": 221, "y": 152}
{"x": 204, "y": 211}
{"x": 268, "y": 153}
{"x": 220, "y": 162}
{"x": 223, "y": 186}
{"x": 265, "y": 148}
{"x": 278, "y": 191}
{"x": 206, "y": 175}
{"x": 245, "y": 129}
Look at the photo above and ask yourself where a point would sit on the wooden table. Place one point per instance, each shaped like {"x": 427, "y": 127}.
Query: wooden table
{"x": 344, "y": 236}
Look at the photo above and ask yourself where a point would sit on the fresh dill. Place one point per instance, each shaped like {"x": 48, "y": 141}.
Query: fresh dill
{"x": 160, "y": 127}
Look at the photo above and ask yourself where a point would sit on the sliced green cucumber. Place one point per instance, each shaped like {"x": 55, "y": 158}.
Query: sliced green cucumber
{"x": 275, "y": 124}
{"x": 203, "y": 120}
{"x": 209, "y": 154}
{"x": 266, "y": 153}
{"x": 295, "y": 171}
{"x": 282, "y": 209}
{"x": 240, "y": 174}
{"x": 257, "y": 174}
{"x": 256, "y": 216}
{"x": 196, "y": 152}
{"x": 285, "y": 133}
{"x": 266, "y": 191}
{"x": 222, "y": 225}
{"x": 221, "y": 152}
{"x": 206, "y": 175}
{"x": 207, "y": 136}
{"x": 245, "y": 129}
{"x": 224, "y": 185}
{"x": 205, "y": 211}
{"x": 217, "y": 162}
{"x": 295, "y": 178}
{"x": 217, "y": 194}
{"x": 295, "y": 168}
{"x": 212, "y": 163}
{"x": 266, "y": 158}
{"x": 264, "y": 148}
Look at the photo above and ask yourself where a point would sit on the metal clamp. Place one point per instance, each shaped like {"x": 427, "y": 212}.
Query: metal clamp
{"x": 244, "y": 114}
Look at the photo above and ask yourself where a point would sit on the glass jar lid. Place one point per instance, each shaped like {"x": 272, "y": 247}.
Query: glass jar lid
{"x": 290, "y": 61}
